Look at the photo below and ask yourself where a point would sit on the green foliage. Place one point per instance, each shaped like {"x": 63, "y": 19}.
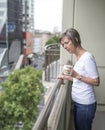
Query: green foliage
{"x": 53, "y": 40}
{"x": 20, "y": 97}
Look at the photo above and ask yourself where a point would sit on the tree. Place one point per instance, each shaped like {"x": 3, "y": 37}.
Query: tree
{"x": 19, "y": 99}
{"x": 53, "y": 40}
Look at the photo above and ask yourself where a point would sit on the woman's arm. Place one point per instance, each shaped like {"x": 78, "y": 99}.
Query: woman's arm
{"x": 88, "y": 80}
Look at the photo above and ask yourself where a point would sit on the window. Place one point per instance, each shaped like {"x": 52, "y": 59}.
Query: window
{"x": 1, "y": 13}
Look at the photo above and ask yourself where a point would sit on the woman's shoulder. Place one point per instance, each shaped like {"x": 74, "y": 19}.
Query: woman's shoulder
{"x": 88, "y": 56}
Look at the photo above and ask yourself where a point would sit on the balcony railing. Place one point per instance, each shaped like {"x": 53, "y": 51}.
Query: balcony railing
{"x": 52, "y": 55}
{"x": 56, "y": 114}
{"x": 57, "y": 107}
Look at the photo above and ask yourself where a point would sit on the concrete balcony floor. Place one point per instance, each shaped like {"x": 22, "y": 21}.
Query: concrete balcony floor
{"x": 99, "y": 121}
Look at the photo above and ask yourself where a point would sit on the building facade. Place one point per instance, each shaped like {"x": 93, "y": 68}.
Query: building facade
{"x": 10, "y": 20}
{"x": 28, "y": 27}
{"x": 28, "y": 15}
{"x": 11, "y": 27}
{"x": 16, "y": 27}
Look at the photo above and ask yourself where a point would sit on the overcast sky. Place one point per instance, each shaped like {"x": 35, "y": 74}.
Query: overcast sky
{"x": 48, "y": 15}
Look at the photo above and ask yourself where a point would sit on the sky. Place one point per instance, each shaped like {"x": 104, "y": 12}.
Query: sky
{"x": 48, "y": 15}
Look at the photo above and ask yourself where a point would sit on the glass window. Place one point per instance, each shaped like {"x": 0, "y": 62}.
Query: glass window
{"x": 1, "y": 13}
{"x": 2, "y": 4}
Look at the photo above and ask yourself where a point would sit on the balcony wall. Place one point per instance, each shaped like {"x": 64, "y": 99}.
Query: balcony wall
{"x": 88, "y": 18}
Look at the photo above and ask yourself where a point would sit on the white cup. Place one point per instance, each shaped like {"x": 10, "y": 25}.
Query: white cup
{"x": 66, "y": 69}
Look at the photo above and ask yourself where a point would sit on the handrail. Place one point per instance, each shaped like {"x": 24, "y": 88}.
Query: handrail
{"x": 56, "y": 114}
{"x": 55, "y": 121}
{"x": 43, "y": 117}
{"x": 52, "y": 46}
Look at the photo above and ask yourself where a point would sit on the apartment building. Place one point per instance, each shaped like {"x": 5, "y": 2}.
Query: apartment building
{"x": 10, "y": 30}
{"x": 28, "y": 26}
{"x": 16, "y": 28}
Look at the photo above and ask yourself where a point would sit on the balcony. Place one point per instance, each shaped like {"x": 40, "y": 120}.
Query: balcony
{"x": 57, "y": 112}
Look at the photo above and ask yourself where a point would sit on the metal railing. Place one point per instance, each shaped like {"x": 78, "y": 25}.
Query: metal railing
{"x": 41, "y": 123}
{"x": 56, "y": 114}
{"x": 59, "y": 118}
{"x": 52, "y": 56}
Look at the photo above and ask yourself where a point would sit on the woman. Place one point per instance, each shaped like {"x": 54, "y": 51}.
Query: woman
{"x": 85, "y": 76}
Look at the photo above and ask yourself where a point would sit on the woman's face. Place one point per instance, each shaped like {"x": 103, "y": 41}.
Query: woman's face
{"x": 68, "y": 45}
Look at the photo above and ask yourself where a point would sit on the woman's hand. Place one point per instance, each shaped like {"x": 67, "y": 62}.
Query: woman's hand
{"x": 69, "y": 71}
{"x": 65, "y": 77}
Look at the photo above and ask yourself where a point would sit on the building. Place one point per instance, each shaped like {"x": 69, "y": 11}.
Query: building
{"x": 39, "y": 41}
{"x": 28, "y": 15}
{"x": 16, "y": 28}
{"x": 28, "y": 27}
{"x": 11, "y": 29}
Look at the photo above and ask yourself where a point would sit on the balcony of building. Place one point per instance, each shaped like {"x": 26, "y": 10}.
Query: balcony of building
{"x": 57, "y": 113}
